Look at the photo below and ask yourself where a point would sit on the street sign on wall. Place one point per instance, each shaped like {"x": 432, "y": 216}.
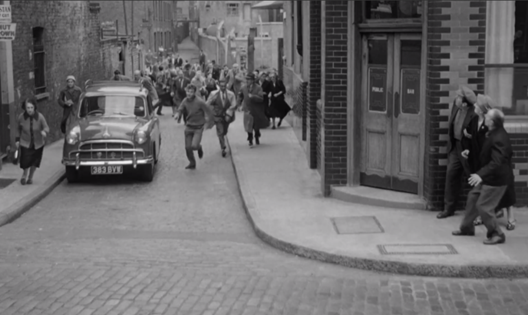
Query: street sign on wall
{"x": 7, "y": 31}
{"x": 5, "y": 14}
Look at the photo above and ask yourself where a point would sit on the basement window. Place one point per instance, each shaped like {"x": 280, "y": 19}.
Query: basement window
{"x": 39, "y": 59}
{"x": 232, "y": 9}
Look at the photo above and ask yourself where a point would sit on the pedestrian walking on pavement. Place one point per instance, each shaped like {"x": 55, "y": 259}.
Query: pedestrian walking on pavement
{"x": 490, "y": 182}
{"x": 223, "y": 103}
{"x": 252, "y": 98}
{"x": 202, "y": 59}
{"x": 198, "y": 116}
{"x": 69, "y": 101}
{"x": 32, "y": 130}
{"x": 278, "y": 107}
{"x": 474, "y": 138}
{"x": 462, "y": 113}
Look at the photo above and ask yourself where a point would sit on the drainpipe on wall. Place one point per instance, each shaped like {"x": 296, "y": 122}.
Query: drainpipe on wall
{"x": 7, "y": 85}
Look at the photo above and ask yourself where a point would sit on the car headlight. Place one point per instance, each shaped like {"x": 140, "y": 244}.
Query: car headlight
{"x": 141, "y": 137}
{"x": 72, "y": 138}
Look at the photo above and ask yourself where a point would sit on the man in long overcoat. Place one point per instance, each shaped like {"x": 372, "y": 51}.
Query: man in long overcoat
{"x": 462, "y": 113}
{"x": 252, "y": 98}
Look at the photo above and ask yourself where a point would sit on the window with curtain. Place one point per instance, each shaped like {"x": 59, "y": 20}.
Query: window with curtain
{"x": 506, "y": 55}
{"x": 39, "y": 60}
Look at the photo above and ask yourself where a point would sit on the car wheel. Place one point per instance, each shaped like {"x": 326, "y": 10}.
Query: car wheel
{"x": 146, "y": 172}
{"x": 72, "y": 175}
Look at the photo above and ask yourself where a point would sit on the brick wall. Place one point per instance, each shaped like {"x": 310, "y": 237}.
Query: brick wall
{"x": 456, "y": 34}
{"x": 72, "y": 46}
{"x": 335, "y": 102}
{"x": 520, "y": 162}
{"x": 314, "y": 86}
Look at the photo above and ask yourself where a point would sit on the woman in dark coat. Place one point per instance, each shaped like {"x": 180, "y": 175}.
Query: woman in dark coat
{"x": 474, "y": 138}
{"x": 278, "y": 107}
{"x": 266, "y": 86}
{"x": 32, "y": 131}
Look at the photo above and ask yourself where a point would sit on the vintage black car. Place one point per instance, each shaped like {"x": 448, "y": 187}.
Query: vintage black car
{"x": 116, "y": 132}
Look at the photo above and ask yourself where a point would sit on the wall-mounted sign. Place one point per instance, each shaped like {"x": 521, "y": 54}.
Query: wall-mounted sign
{"x": 5, "y": 14}
{"x": 7, "y": 32}
{"x": 377, "y": 89}
{"x": 410, "y": 91}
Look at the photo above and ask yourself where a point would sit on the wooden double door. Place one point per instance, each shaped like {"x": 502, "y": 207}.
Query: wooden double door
{"x": 391, "y": 111}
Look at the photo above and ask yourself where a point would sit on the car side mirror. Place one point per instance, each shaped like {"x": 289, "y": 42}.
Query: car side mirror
{"x": 139, "y": 111}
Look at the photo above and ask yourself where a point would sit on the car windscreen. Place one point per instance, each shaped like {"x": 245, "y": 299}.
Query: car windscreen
{"x": 112, "y": 105}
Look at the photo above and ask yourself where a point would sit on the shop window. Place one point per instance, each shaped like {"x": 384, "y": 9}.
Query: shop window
{"x": 39, "y": 60}
{"x": 408, "y": 9}
{"x": 232, "y": 9}
{"x": 506, "y": 56}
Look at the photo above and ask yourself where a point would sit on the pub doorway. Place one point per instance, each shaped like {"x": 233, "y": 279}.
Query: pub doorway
{"x": 391, "y": 106}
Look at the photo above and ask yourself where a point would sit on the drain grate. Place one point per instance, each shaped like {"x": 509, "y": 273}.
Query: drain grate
{"x": 357, "y": 225}
{"x": 4, "y": 182}
{"x": 417, "y": 249}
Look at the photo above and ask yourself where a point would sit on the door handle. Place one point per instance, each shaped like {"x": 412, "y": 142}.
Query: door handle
{"x": 396, "y": 104}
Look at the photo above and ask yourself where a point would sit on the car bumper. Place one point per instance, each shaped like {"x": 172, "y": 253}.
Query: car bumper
{"x": 134, "y": 162}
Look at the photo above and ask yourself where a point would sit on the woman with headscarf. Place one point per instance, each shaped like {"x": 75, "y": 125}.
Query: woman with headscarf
{"x": 32, "y": 130}
{"x": 278, "y": 107}
{"x": 474, "y": 137}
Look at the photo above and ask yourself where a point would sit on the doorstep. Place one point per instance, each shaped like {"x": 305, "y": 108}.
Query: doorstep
{"x": 378, "y": 197}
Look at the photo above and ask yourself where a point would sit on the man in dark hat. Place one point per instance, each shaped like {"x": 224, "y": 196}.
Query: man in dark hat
{"x": 254, "y": 111}
{"x": 462, "y": 113}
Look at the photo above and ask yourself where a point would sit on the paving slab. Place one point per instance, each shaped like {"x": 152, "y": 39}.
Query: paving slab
{"x": 284, "y": 202}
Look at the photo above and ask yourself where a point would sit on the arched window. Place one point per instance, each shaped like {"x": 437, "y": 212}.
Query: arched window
{"x": 39, "y": 60}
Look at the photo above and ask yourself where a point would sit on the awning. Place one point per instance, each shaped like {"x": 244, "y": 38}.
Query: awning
{"x": 268, "y": 5}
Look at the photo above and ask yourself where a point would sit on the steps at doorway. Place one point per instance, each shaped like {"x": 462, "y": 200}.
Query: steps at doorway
{"x": 378, "y": 197}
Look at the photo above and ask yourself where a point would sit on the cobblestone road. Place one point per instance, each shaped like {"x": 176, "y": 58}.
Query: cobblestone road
{"x": 182, "y": 245}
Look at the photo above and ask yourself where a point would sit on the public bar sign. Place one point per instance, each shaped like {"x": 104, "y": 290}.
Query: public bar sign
{"x": 5, "y": 14}
{"x": 7, "y": 32}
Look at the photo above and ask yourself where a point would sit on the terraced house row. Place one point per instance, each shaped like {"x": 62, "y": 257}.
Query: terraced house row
{"x": 373, "y": 84}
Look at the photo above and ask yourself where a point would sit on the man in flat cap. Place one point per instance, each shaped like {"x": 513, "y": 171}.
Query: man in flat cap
{"x": 462, "y": 113}
{"x": 69, "y": 101}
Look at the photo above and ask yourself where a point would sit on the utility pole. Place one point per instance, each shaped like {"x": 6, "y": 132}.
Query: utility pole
{"x": 126, "y": 33}
{"x": 126, "y": 24}
{"x": 132, "y": 32}
{"x": 251, "y": 49}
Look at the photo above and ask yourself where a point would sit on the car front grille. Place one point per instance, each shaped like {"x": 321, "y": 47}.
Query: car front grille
{"x": 109, "y": 151}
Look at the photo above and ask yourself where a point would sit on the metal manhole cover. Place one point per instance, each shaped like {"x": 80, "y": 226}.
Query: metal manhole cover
{"x": 417, "y": 249}
{"x": 357, "y": 225}
{"x": 4, "y": 182}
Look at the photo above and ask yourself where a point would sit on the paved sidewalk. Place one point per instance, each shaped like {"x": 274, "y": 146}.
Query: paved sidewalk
{"x": 16, "y": 199}
{"x": 284, "y": 202}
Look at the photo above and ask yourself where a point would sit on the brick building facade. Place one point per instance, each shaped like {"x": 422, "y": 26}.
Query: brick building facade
{"x": 54, "y": 39}
{"x": 152, "y": 23}
{"x": 372, "y": 85}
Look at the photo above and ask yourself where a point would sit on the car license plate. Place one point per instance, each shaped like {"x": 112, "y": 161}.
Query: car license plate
{"x": 107, "y": 170}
